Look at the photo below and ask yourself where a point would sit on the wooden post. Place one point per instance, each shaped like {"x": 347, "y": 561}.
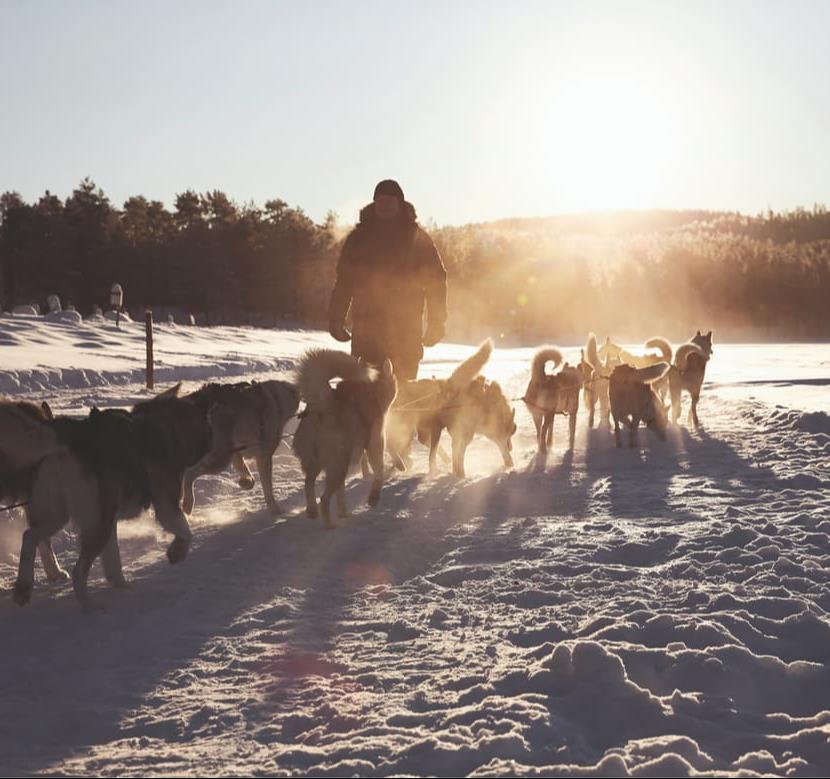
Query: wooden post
{"x": 148, "y": 333}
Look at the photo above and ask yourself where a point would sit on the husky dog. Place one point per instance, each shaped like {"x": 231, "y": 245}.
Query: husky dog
{"x": 246, "y": 420}
{"x": 612, "y": 351}
{"x": 589, "y": 391}
{"x": 688, "y": 372}
{"x": 634, "y": 400}
{"x": 16, "y": 486}
{"x": 339, "y": 425}
{"x": 86, "y": 469}
{"x": 419, "y": 402}
{"x": 597, "y": 387}
{"x": 175, "y": 436}
{"x": 470, "y": 404}
{"x": 551, "y": 394}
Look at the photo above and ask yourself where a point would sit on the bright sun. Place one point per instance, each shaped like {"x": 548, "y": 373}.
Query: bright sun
{"x": 610, "y": 144}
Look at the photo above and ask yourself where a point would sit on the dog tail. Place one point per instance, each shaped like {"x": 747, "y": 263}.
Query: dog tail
{"x": 24, "y": 439}
{"x": 591, "y": 353}
{"x": 472, "y": 366}
{"x": 684, "y": 352}
{"x": 319, "y": 366}
{"x": 650, "y": 374}
{"x": 542, "y": 357}
{"x": 662, "y": 345}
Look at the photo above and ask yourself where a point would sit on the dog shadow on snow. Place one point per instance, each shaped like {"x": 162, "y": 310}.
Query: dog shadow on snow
{"x": 73, "y": 681}
{"x": 664, "y": 479}
{"x": 635, "y": 483}
{"x": 76, "y": 681}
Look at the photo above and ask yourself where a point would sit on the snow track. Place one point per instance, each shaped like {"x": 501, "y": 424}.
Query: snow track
{"x": 656, "y": 611}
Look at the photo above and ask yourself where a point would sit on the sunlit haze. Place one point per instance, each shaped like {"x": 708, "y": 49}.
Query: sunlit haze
{"x": 481, "y": 110}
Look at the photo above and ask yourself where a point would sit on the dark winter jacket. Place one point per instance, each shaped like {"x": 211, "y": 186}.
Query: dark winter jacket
{"x": 388, "y": 272}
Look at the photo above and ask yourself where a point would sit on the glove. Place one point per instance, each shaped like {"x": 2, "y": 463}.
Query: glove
{"x": 339, "y": 332}
{"x": 434, "y": 333}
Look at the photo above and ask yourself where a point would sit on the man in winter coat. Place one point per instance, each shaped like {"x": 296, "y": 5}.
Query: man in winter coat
{"x": 389, "y": 270}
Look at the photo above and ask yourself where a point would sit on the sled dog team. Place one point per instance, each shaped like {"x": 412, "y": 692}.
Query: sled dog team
{"x": 116, "y": 463}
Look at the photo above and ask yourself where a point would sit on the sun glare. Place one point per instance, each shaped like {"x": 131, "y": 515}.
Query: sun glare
{"x": 609, "y": 145}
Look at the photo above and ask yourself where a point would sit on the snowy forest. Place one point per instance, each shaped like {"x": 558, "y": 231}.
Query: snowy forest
{"x": 628, "y": 272}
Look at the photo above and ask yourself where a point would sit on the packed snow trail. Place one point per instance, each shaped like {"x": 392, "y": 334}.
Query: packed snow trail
{"x": 661, "y": 610}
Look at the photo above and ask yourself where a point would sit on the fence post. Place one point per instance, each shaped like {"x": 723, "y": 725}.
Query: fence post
{"x": 148, "y": 333}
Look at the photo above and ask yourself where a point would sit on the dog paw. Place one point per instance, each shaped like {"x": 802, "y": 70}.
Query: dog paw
{"x": 119, "y": 582}
{"x": 22, "y": 593}
{"x": 60, "y": 575}
{"x": 374, "y": 497}
{"x": 246, "y": 482}
{"x": 177, "y": 550}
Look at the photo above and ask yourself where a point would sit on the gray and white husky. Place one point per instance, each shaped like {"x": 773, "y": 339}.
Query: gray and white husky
{"x": 246, "y": 420}
{"x": 340, "y": 424}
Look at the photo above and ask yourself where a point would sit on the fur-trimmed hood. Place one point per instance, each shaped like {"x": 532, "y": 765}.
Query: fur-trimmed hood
{"x": 368, "y": 218}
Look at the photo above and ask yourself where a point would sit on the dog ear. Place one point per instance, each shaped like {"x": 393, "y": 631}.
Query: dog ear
{"x": 47, "y": 410}
{"x": 698, "y": 333}
{"x": 172, "y": 392}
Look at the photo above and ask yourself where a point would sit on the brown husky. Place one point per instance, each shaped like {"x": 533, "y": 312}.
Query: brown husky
{"x": 551, "y": 394}
{"x": 621, "y": 356}
{"x": 419, "y": 402}
{"x": 634, "y": 400}
{"x": 688, "y": 372}
{"x": 470, "y": 405}
{"x": 339, "y": 425}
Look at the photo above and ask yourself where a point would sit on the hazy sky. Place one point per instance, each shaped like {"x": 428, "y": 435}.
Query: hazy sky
{"x": 480, "y": 109}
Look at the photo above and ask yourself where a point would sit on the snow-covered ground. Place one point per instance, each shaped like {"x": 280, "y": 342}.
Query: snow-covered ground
{"x": 658, "y": 611}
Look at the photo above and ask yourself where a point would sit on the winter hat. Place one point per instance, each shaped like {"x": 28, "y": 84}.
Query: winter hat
{"x": 389, "y": 187}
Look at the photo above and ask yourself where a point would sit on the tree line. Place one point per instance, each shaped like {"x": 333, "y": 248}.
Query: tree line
{"x": 628, "y": 274}
{"x": 206, "y": 255}
{"x": 634, "y": 274}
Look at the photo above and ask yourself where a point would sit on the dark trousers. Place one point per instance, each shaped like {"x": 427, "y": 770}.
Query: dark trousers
{"x": 405, "y": 365}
